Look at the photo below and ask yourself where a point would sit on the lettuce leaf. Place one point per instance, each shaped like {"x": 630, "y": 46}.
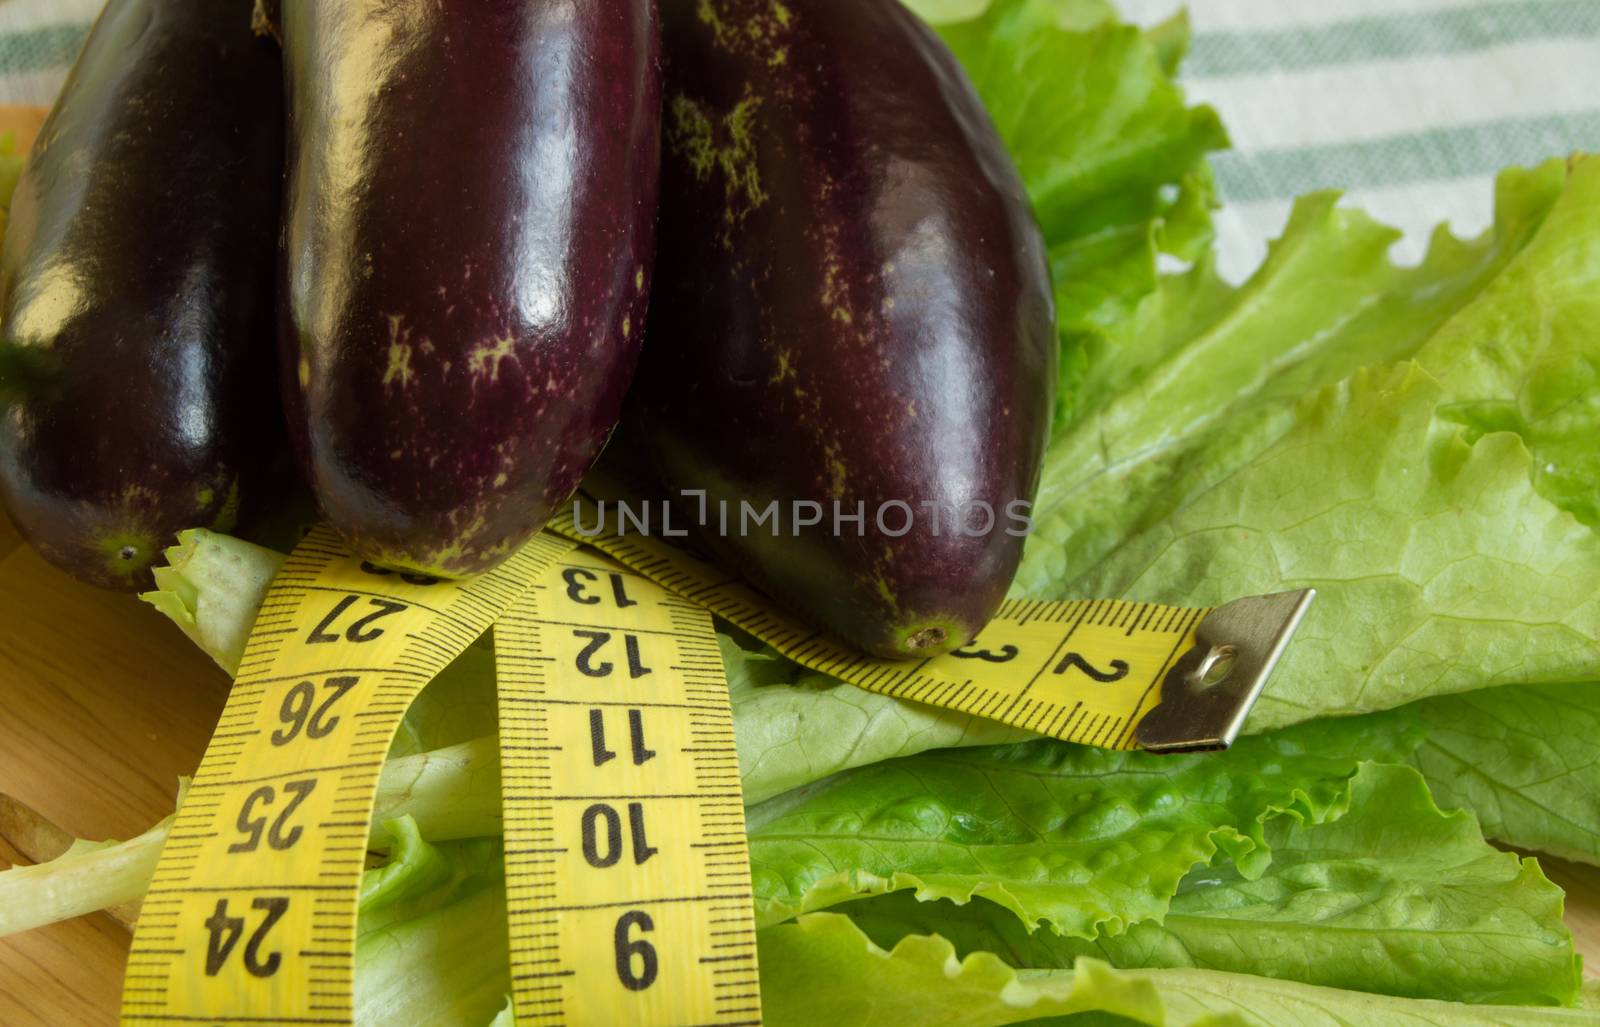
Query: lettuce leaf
{"x": 1526, "y": 760}
{"x": 1181, "y": 486}
{"x": 1394, "y": 897}
{"x": 1523, "y": 357}
{"x": 1205, "y": 376}
{"x": 794, "y": 726}
{"x": 823, "y": 969}
{"x": 89, "y": 876}
{"x": 1084, "y": 840}
{"x": 1439, "y": 567}
{"x": 431, "y": 943}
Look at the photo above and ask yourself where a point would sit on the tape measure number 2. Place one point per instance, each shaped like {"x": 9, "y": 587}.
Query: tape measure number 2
{"x": 627, "y": 873}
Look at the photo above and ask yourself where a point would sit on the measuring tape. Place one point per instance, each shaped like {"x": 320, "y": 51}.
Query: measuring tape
{"x": 627, "y": 873}
{"x": 627, "y": 870}
{"x": 1087, "y": 671}
{"x": 251, "y": 913}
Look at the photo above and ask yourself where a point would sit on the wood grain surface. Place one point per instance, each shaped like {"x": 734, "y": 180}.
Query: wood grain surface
{"x": 107, "y": 704}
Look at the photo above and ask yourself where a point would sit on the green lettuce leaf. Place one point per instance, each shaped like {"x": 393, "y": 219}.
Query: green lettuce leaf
{"x": 1239, "y": 450}
{"x": 1394, "y": 897}
{"x": 1526, "y": 760}
{"x": 1439, "y": 568}
{"x": 431, "y": 943}
{"x": 89, "y": 876}
{"x": 212, "y": 586}
{"x": 794, "y": 726}
{"x": 1085, "y": 840}
{"x": 1523, "y": 357}
{"x": 1205, "y": 376}
{"x": 823, "y": 969}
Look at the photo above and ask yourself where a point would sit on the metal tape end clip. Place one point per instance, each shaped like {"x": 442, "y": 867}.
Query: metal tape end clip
{"x": 1209, "y": 692}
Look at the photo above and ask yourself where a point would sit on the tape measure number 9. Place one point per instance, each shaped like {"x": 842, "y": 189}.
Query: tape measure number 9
{"x": 627, "y": 872}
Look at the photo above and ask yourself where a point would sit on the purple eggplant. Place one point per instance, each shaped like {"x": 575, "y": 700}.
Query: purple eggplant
{"x": 137, "y": 367}
{"x": 469, "y": 237}
{"x": 853, "y": 313}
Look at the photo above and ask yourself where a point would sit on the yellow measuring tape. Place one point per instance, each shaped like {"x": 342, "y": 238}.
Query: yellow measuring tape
{"x": 627, "y": 871}
{"x": 251, "y": 913}
{"x": 1088, "y": 671}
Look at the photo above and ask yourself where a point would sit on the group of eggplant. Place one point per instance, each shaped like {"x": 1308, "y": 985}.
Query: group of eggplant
{"x": 438, "y": 250}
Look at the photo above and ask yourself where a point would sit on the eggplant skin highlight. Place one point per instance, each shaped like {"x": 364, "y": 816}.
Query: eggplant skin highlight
{"x": 137, "y": 384}
{"x": 468, "y": 244}
{"x": 853, "y": 307}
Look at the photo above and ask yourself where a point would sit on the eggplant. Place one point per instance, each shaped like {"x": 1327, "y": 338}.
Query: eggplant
{"x": 853, "y": 307}
{"x": 469, "y": 239}
{"x": 137, "y": 350}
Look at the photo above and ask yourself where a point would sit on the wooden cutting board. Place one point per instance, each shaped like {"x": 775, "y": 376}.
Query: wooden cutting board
{"x": 106, "y": 704}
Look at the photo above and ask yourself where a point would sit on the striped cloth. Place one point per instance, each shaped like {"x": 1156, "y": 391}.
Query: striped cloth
{"x": 1410, "y": 105}
{"x": 39, "y": 40}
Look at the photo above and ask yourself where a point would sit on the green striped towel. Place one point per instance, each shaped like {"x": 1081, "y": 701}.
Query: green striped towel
{"x": 38, "y": 41}
{"x": 1410, "y": 105}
